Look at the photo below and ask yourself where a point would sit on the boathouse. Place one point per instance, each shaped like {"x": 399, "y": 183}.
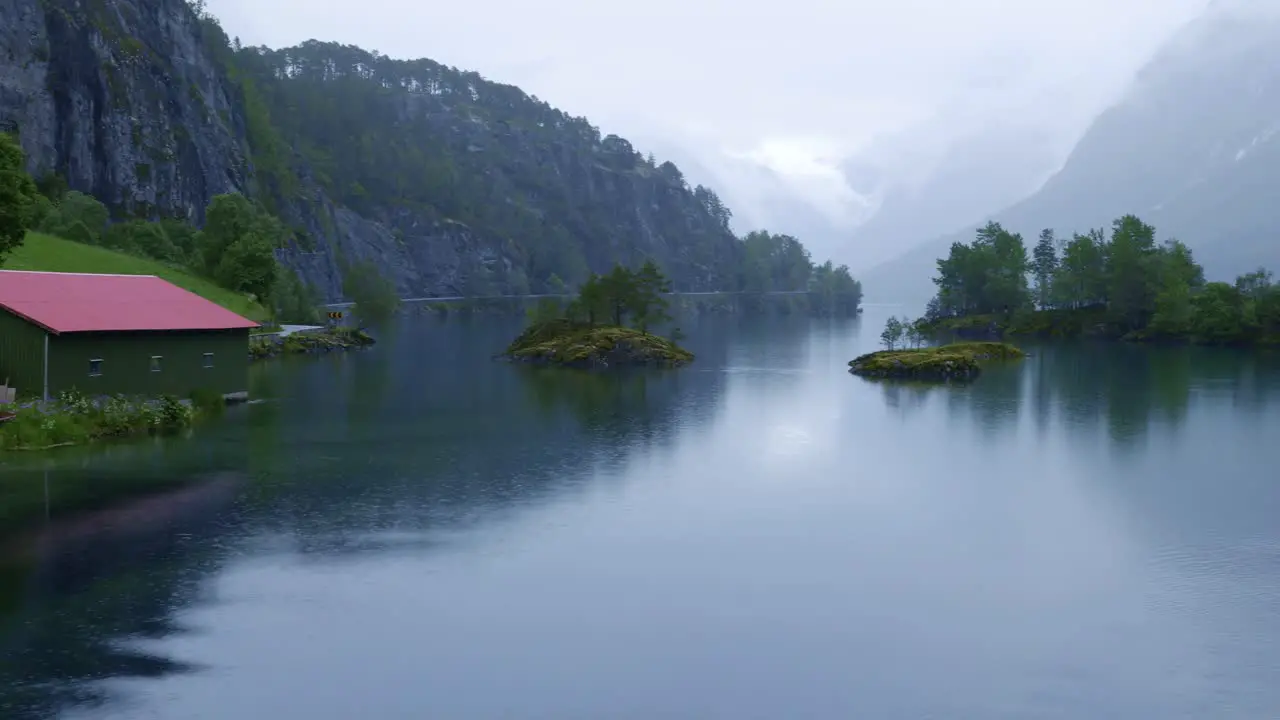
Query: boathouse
{"x": 109, "y": 334}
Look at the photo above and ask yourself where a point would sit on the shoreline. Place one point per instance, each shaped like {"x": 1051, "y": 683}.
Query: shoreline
{"x": 1078, "y": 324}
{"x": 74, "y": 419}
{"x": 308, "y": 343}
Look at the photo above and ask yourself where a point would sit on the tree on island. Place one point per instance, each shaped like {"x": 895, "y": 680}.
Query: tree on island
{"x": 590, "y": 332}
{"x": 892, "y": 334}
{"x": 623, "y": 294}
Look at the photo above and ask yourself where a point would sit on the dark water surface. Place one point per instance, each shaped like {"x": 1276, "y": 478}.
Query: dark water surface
{"x": 417, "y": 532}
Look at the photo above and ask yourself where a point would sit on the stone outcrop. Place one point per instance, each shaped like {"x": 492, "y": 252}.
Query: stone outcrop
{"x": 133, "y": 101}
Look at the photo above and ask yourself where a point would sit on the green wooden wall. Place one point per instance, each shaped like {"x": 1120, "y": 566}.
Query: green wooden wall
{"x": 21, "y": 355}
{"x": 126, "y": 362}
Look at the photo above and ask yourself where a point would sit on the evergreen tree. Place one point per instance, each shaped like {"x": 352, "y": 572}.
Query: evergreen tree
{"x": 1044, "y": 265}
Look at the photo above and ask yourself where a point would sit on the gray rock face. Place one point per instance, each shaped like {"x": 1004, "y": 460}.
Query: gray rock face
{"x": 126, "y": 100}
{"x": 122, "y": 100}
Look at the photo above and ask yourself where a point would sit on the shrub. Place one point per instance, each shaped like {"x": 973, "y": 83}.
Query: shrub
{"x": 207, "y": 401}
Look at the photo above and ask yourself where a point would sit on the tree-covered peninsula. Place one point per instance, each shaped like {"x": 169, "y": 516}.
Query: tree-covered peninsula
{"x": 1122, "y": 284}
{"x": 607, "y": 325}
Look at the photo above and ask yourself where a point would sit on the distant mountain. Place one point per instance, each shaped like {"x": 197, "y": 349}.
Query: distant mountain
{"x": 763, "y": 198}
{"x": 1193, "y": 147}
{"x": 998, "y": 165}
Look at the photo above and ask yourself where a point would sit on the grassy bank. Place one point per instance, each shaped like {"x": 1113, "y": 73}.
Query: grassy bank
{"x": 74, "y": 419}
{"x": 50, "y": 254}
{"x": 310, "y": 342}
{"x": 572, "y": 344}
{"x": 954, "y": 362}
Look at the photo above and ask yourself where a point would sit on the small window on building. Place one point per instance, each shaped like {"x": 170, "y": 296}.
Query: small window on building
{"x": 155, "y": 363}
{"x": 208, "y": 360}
{"x": 95, "y": 367}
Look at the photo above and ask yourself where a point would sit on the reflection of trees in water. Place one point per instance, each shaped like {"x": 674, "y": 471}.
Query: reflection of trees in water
{"x": 526, "y": 436}
{"x": 75, "y": 591}
{"x": 615, "y": 401}
{"x": 440, "y": 451}
{"x": 993, "y": 402}
{"x": 775, "y": 342}
{"x": 432, "y": 455}
{"x": 906, "y": 396}
{"x": 1122, "y": 388}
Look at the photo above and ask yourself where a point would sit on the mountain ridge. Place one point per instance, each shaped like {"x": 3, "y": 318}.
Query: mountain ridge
{"x": 1188, "y": 148}
{"x": 449, "y": 183}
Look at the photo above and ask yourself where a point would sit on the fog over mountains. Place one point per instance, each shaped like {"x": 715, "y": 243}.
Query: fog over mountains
{"x": 1191, "y": 147}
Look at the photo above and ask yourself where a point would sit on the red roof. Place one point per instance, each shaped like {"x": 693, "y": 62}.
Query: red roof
{"x": 84, "y": 302}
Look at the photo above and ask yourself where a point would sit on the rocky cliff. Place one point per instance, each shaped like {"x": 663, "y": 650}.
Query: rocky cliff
{"x": 449, "y": 183}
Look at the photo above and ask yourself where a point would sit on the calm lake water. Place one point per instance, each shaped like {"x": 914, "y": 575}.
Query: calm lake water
{"x": 417, "y": 532}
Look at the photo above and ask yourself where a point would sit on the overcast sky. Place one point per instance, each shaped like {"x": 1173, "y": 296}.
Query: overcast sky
{"x": 798, "y": 84}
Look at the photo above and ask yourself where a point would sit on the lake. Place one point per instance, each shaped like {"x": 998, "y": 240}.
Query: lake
{"x": 418, "y": 532}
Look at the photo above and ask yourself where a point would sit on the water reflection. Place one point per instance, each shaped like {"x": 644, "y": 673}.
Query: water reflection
{"x": 428, "y": 487}
{"x": 347, "y": 456}
{"x": 80, "y": 594}
{"x": 1120, "y": 390}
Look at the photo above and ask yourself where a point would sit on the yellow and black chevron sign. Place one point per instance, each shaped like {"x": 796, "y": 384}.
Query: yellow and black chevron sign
{"x": 335, "y": 315}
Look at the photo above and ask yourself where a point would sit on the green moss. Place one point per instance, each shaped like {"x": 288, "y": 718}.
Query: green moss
{"x": 563, "y": 342}
{"x": 957, "y": 361}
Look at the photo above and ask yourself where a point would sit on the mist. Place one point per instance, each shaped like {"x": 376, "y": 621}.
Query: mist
{"x": 780, "y": 99}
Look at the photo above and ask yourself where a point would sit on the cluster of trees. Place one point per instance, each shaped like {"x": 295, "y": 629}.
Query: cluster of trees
{"x": 620, "y": 296}
{"x": 901, "y": 331}
{"x": 19, "y": 206}
{"x": 1138, "y": 285}
{"x": 374, "y": 295}
{"x": 235, "y": 249}
{"x": 777, "y": 262}
{"x": 395, "y": 139}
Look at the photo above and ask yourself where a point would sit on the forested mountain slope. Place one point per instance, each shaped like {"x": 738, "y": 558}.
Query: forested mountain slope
{"x": 447, "y": 182}
{"x": 1192, "y": 148}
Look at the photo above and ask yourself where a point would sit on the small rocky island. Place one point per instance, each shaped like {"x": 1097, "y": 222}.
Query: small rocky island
{"x": 956, "y": 362}
{"x": 592, "y": 331}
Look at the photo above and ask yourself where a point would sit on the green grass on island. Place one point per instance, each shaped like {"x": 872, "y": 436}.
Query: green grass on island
{"x": 576, "y": 344}
{"x": 954, "y": 362}
{"x": 50, "y": 254}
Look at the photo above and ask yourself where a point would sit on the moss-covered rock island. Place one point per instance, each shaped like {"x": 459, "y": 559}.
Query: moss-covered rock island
{"x": 592, "y": 331}
{"x": 944, "y": 363}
